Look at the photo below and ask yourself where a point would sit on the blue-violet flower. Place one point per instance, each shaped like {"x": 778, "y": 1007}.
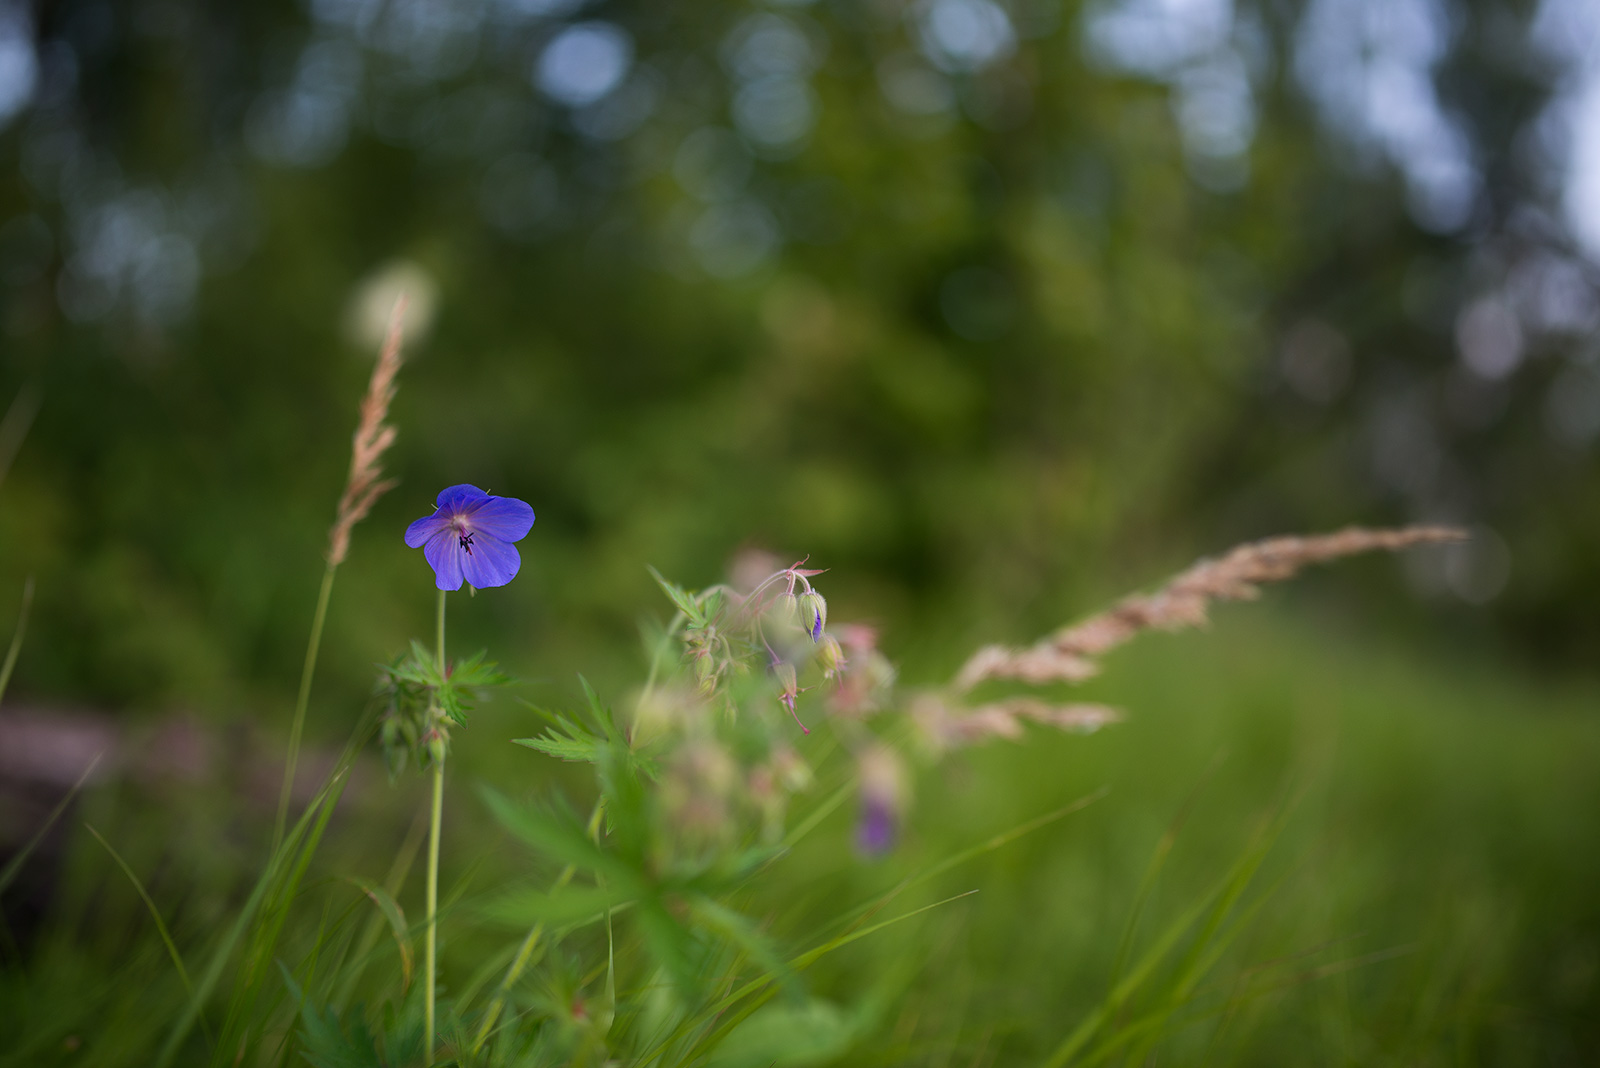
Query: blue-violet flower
{"x": 469, "y": 537}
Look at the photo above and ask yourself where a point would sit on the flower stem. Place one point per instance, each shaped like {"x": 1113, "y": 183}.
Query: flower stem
{"x": 431, "y": 952}
{"x": 313, "y": 644}
{"x": 430, "y": 966}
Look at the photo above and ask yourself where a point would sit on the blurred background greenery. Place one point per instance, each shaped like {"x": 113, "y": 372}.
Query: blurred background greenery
{"x": 997, "y": 308}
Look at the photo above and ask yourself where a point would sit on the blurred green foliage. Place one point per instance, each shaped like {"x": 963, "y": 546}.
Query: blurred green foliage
{"x": 1008, "y": 325}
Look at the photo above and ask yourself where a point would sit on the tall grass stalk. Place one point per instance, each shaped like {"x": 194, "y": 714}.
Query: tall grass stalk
{"x": 362, "y": 488}
{"x": 307, "y": 671}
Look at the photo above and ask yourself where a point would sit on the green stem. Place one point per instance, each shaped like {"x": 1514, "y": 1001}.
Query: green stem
{"x": 429, "y": 970}
{"x": 313, "y": 644}
{"x": 430, "y": 965}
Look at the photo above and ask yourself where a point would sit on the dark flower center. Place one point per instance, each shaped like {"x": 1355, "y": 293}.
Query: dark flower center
{"x": 466, "y": 542}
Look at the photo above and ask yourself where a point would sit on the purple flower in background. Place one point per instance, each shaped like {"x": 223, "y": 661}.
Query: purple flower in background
{"x": 878, "y": 827}
{"x": 469, "y": 537}
{"x": 883, "y": 800}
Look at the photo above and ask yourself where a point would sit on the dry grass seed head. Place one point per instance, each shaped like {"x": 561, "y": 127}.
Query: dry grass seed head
{"x": 1070, "y": 654}
{"x": 372, "y": 439}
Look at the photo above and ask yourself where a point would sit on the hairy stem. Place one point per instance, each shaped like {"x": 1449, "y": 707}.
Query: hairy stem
{"x": 313, "y": 644}
{"x": 430, "y": 964}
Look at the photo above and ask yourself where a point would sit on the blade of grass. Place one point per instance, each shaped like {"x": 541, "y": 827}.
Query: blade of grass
{"x": 800, "y": 963}
{"x": 258, "y": 954}
{"x": 161, "y": 926}
{"x": 989, "y": 845}
{"x": 276, "y": 862}
{"x": 303, "y": 698}
{"x": 1158, "y": 861}
{"x": 803, "y": 961}
{"x": 15, "y": 426}
{"x": 398, "y": 871}
{"x": 14, "y": 865}
{"x": 1216, "y": 902}
{"x": 390, "y": 910}
{"x": 16, "y": 638}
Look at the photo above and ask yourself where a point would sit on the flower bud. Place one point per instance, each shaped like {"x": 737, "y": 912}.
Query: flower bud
{"x": 438, "y": 747}
{"x": 831, "y": 657}
{"x": 789, "y": 690}
{"x": 785, "y": 610}
{"x": 813, "y": 613}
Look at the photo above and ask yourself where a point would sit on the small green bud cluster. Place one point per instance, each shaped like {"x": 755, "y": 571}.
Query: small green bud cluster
{"x": 421, "y": 704}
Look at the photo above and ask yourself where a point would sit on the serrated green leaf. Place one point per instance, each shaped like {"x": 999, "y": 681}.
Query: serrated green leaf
{"x": 573, "y": 749}
{"x": 681, "y": 598}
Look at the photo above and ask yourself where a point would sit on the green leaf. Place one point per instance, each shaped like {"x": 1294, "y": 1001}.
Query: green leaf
{"x": 680, "y": 597}
{"x": 566, "y": 740}
{"x": 391, "y": 911}
{"x": 557, "y": 833}
{"x": 570, "y": 749}
{"x": 326, "y": 1044}
{"x": 788, "y": 1036}
{"x": 556, "y": 908}
{"x": 738, "y": 929}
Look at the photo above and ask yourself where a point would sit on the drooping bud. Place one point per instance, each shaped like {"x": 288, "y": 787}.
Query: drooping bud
{"x": 813, "y": 613}
{"x": 831, "y": 656}
{"x": 785, "y": 610}
{"x": 789, "y": 690}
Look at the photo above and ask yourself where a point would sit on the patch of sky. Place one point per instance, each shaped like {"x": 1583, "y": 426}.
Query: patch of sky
{"x": 1208, "y": 55}
{"x": 1568, "y": 33}
{"x": 520, "y": 10}
{"x": 960, "y": 36}
{"x": 433, "y": 39}
{"x": 620, "y": 113}
{"x": 1368, "y": 67}
{"x": 128, "y": 248}
{"x": 584, "y": 62}
{"x": 771, "y": 58}
{"x": 307, "y": 123}
{"x": 19, "y": 62}
{"x": 775, "y": 114}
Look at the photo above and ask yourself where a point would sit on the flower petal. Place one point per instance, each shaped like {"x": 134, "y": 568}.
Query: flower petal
{"x": 443, "y": 553}
{"x": 458, "y": 499}
{"x": 425, "y": 528}
{"x": 505, "y": 518}
{"x": 488, "y": 561}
